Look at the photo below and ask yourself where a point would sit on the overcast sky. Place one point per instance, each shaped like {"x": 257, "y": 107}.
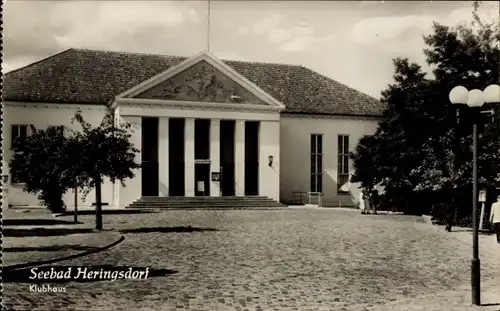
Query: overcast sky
{"x": 351, "y": 42}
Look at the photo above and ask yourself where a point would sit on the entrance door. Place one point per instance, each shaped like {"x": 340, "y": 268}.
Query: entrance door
{"x": 227, "y": 179}
{"x": 150, "y": 178}
{"x": 202, "y": 157}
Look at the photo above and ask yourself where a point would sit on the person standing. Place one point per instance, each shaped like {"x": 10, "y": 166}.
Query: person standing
{"x": 495, "y": 217}
{"x": 361, "y": 199}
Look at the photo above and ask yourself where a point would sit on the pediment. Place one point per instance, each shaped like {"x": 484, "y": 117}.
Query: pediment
{"x": 201, "y": 82}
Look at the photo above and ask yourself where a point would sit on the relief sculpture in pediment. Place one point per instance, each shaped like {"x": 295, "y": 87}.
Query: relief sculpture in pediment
{"x": 203, "y": 83}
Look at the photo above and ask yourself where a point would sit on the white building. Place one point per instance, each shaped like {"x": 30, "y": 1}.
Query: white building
{"x": 268, "y": 129}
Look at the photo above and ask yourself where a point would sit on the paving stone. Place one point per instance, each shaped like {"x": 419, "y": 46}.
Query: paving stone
{"x": 276, "y": 260}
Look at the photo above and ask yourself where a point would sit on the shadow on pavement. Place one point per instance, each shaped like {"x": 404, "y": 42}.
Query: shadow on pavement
{"x": 461, "y": 229}
{"x": 167, "y": 229}
{"x": 44, "y": 232}
{"x": 82, "y": 274}
{"x": 51, "y": 248}
{"x": 36, "y": 222}
{"x": 110, "y": 212}
{"x": 490, "y": 304}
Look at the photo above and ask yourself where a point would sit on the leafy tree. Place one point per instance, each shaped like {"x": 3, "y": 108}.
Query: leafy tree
{"x": 466, "y": 56}
{"x": 389, "y": 155}
{"x": 419, "y": 152}
{"x": 38, "y": 162}
{"x": 103, "y": 151}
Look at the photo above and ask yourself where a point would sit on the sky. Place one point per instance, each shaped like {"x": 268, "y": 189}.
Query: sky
{"x": 352, "y": 42}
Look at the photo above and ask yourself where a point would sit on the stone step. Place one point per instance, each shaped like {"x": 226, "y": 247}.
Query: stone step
{"x": 143, "y": 205}
{"x": 238, "y": 202}
{"x": 207, "y": 201}
{"x": 146, "y": 205}
{"x": 219, "y": 208}
{"x": 202, "y": 198}
{"x": 202, "y": 202}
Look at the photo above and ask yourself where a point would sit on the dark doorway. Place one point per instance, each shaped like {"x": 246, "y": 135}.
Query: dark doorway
{"x": 149, "y": 153}
{"x": 202, "y": 157}
{"x": 227, "y": 157}
{"x": 176, "y": 164}
{"x": 252, "y": 157}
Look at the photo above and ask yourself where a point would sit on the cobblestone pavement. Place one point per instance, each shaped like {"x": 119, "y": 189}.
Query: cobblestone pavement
{"x": 29, "y": 249}
{"x": 277, "y": 260}
{"x": 21, "y": 250}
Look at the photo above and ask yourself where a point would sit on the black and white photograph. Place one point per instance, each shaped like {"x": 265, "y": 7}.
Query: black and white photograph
{"x": 250, "y": 155}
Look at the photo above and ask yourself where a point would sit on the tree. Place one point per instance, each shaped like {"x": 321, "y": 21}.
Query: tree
{"x": 466, "y": 56}
{"x": 418, "y": 152}
{"x": 388, "y": 156}
{"x": 39, "y": 162}
{"x": 103, "y": 151}
{"x": 364, "y": 157}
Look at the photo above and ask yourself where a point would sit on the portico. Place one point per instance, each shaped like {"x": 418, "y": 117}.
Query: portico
{"x": 202, "y": 130}
{"x": 194, "y": 157}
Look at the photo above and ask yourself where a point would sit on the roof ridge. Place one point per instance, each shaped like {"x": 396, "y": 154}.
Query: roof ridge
{"x": 257, "y": 62}
{"x": 178, "y": 56}
{"x": 130, "y": 53}
{"x": 39, "y": 61}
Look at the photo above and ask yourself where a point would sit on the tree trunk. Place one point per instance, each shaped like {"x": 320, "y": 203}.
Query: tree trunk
{"x": 76, "y": 203}
{"x": 98, "y": 203}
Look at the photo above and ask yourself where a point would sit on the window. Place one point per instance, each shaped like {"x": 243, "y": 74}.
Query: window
{"x": 317, "y": 163}
{"x": 342, "y": 162}
{"x": 17, "y": 131}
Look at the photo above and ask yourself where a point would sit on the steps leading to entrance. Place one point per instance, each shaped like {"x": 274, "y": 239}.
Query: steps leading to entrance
{"x": 206, "y": 202}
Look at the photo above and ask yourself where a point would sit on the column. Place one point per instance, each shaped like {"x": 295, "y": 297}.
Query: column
{"x": 239, "y": 155}
{"x": 269, "y": 176}
{"x": 214, "y": 156}
{"x": 133, "y": 186}
{"x": 163, "y": 157}
{"x": 189, "y": 157}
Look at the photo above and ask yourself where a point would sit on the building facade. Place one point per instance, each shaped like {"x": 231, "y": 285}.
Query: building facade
{"x": 204, "y": 127}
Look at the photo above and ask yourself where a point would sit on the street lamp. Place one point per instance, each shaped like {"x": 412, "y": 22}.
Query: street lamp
{"x": 475, "y": 99}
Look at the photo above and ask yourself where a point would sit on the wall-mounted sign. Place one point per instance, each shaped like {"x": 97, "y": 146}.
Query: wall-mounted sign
{"x": 215, "y": 176}
{"x": 201, "y": 186}
{"x": 204, "y": 161}
{"x": 482, "y": 196}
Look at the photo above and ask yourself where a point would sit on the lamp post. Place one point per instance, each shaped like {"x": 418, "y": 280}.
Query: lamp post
{"x": 475, "y": 99}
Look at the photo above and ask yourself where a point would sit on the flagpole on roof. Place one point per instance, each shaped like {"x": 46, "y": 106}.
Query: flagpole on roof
{"x": 208, "y": 28}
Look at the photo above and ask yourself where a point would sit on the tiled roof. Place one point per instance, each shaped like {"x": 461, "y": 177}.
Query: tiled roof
{"x": 95, "y": 77}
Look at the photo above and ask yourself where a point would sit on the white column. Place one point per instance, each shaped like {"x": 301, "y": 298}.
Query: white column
{"x": 239, "y": 154}
{"x": 269, "y": 176}
{"x": 133, "y": 187}
{"x": 189, "y": 157}
{"x": 214, "y": 156}
{"x": 163, "y": 157}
